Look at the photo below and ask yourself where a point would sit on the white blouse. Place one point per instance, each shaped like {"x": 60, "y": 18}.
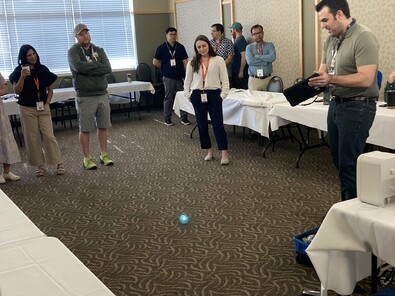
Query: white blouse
{"x": 216, "y": 78}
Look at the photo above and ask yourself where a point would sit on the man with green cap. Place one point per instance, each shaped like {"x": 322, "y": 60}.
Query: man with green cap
{"x": 239, "y": 64}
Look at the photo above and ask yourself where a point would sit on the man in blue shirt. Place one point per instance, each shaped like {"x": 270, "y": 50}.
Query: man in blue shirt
{"x": 259, "y": 55}
{"x": 171, "y": 58}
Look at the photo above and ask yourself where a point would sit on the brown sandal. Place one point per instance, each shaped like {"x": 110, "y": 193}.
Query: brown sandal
{"x": 60, "y": 169}
{"x": 40, "y": 171}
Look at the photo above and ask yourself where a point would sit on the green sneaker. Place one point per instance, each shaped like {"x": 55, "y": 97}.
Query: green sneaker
{"x": 89, "y": 164}
{"x": 104, "y": 159}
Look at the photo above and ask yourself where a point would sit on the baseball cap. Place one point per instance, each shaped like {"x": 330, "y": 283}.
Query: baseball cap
{"x": 236, "y": 26}
{"x": 80, "y": 27}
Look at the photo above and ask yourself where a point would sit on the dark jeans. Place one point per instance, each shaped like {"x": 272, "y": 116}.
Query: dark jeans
{"x": 241, "y": 83}
{"x": 214, "y": 108}
{"x": 348, "y": 129}
{"x": 171, "y": 88}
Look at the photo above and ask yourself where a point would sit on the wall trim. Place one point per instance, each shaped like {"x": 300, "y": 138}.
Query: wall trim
{"x": 224, "y": 2}
{"x": 318, "y": 42}
{"x": 151, "y": 12}
{"x": 180, "y": 1}
{"x": 301, "y": 38}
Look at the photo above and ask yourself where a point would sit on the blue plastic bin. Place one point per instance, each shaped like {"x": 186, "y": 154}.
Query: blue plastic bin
{"x": 301, "y": 246}
{"x": 385, "y": 292}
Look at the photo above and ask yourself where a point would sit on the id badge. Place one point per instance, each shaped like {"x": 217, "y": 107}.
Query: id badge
{"x": 172, "y": 62}
{"x": 40, "y": 106}
{"x": 203, "y": 97}
{"x": 259, "y": 72}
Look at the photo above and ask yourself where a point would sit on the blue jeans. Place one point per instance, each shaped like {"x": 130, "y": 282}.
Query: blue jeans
{"x": 348, "y": 129}
{"x": 214, "y": 108}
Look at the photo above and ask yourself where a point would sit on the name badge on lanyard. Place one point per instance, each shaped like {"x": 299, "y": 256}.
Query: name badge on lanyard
{"x": 40, "y": 106}
{"x": 259, "y": 72}
{"x": 172, "y": 54}
{"x": 203, "y": 97}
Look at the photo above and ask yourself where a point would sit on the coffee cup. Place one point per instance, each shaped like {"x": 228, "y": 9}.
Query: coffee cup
{"x": 26, "y": 67}
{"x": 129, "y": 77}
{"x": 391, "y": 99}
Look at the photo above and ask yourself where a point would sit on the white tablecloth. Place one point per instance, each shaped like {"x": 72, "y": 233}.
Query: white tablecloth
{"x": 15, "y": 226}
{"x": 341, "y": 250}
{"x": 241, "y": 108}
{"x": 315, "y": 116}
{"x": 45, "y": 267}
{"x": 61, "y": 94}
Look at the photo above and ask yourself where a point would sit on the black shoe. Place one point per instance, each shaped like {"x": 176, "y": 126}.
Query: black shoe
{"x": 359, "y": 290}
{"x": 185, "y": 121}
{"x": 168, "y": 122}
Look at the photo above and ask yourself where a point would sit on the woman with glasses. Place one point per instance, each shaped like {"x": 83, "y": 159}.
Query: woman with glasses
{"x": 206, "y": 85}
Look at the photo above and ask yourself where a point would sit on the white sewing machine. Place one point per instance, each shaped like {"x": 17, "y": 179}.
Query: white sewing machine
{"x": 376, "y": 177}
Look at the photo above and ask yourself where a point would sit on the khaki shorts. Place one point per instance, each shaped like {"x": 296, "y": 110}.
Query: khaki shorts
{"x": 93, "y": 112}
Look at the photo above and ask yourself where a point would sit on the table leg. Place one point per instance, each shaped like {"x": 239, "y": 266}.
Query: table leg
{"x": 191, "y": 134}
{"x": 137, "y": 100}
{"x": 324, "y": 292}
{"x": 274, "y": 137}
{"x": 374, "y": 275}
{"x": 307, "y": 145}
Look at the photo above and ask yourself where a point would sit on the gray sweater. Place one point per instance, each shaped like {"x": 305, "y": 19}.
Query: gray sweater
{"x": 89, "y": 69}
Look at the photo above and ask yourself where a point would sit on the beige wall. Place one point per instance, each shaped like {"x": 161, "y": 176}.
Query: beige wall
{"x": 196, "y": 17}
{"x": 379, "y": 17}
{"x": 280, "y": 21}
{"x": 151, "y": 18}
{"x": 151, "y": 6}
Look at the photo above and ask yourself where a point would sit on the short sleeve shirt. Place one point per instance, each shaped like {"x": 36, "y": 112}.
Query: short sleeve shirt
{"x": 165, "y": 52}
{"x": 358, "y": 48}
{"x": 239, "y": 46}
{"x": 224, "y": 49}
{"x": 29, "y": 94}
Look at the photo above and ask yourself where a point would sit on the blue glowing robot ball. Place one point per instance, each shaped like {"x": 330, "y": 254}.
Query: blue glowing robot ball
{"x": 183, "y": 219}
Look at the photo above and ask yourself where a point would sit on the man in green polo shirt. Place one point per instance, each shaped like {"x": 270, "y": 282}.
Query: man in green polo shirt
{"x": 349, "y": 68}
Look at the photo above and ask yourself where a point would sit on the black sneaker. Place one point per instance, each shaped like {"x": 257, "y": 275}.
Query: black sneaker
{"x": 185, "y": 121}
{"x": 168, "y": 122}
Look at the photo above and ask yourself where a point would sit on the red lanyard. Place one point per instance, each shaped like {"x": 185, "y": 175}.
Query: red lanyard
{"x": 37, "y": 82}
{"x": 204, "y": 71}
{"x": 259, "y": 49}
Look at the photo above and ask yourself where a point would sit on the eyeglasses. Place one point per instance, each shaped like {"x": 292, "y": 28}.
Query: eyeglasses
{"x": 172, "y": 34}
{"x": 258, "y": 33}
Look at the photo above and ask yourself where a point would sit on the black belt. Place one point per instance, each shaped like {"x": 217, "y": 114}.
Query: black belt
{"x": 262, "y": 77}
{"x": 341, "y": 100}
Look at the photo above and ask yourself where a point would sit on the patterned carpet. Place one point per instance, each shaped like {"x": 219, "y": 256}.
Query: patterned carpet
{"x": 122, "y": 221}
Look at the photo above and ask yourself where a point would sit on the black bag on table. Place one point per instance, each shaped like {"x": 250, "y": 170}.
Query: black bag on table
{"x": 301, "y": 91}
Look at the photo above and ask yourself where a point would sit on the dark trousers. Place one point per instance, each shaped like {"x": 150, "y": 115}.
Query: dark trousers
{"x": 172, "y": 86}
{"x": 214, "y": 108}
{"x": 241, "y": 83}
{"x": 348, "y": 129}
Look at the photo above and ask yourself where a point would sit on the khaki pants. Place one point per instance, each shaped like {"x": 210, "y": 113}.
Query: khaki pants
{"x": 258, "y": 84}
{"x": 41, "y": 144}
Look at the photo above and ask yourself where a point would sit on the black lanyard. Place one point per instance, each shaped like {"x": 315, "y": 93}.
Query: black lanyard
{"x": 336, "y": 47}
